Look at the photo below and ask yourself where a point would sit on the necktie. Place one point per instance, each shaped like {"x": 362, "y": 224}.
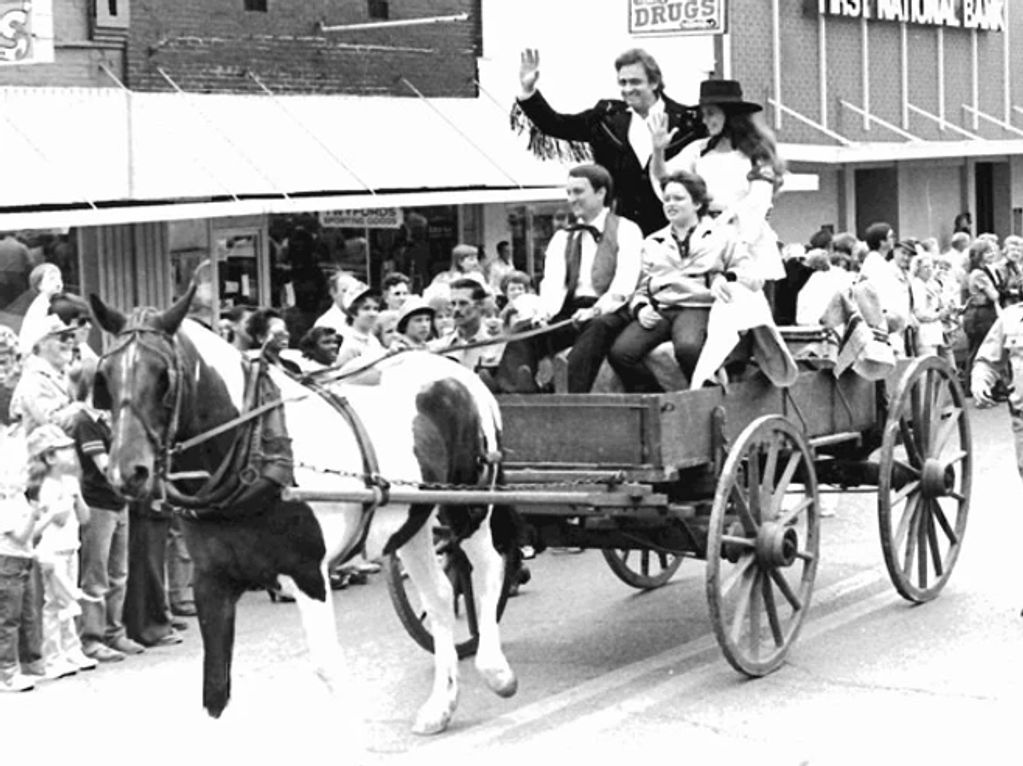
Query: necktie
{"x": 593, "y": 230}
{"x": 573, "y": 257}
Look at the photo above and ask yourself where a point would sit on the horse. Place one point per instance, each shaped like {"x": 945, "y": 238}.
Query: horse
{"x": 167, "y": 379}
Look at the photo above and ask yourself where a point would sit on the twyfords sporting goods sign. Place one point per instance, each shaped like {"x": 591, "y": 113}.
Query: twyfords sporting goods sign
{"x": 983, "y": 15}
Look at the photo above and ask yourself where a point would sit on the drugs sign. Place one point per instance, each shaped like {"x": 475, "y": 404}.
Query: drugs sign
{"x": 677, "y": 17}
{"x": 26, "y": 32}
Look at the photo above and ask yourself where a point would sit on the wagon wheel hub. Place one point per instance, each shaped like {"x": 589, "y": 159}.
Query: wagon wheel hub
{"x": 777, "y": 545}
{"x": 937, "y": 478}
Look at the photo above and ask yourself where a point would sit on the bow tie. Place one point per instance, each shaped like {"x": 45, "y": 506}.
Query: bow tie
{"x": 593, "y": 230}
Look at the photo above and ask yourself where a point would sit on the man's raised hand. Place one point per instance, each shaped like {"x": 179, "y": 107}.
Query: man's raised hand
{"x": 659, "y": 133}
{"x": 529, "y": 71}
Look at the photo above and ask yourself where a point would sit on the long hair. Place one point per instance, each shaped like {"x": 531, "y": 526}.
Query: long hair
{"x": 751, "y": 136}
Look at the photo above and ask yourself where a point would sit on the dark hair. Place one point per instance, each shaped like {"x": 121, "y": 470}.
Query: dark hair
{"x": 821, "y": 239}
{"x": 977, "y": 252}
{"x": 598, "y": 177}
{"x": 650, "y": 66}
{"x": 258, "y": 323}
{"x": 478, "y": 291}
{"x": 876, "y": 234}
{"x": 392, "y": 279}
{"x": 748, "y": 133}
{"x": 844, "y": 242}
{"x": 516, "y": 278}
{"x": 309, "y": 342}
{"x": 236, "y": 313}
{"x": 694, "y": 184}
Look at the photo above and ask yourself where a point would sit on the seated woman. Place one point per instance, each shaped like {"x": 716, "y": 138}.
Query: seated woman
{"x": 269, "y": 334}
{"x": 686, "y": 267}
{"x": 319, "y": 347}
{"x": 362, "y": 307}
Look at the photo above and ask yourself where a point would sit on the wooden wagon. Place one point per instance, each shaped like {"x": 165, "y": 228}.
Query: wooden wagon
{"x": 732, "y": 477}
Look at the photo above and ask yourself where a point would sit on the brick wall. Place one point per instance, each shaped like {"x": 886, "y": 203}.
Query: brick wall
{"x": 752, "y": 65}
{"x": 209, "y": 45}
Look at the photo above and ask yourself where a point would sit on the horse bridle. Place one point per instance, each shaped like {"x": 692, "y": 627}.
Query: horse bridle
{"x": 162, "y": 447}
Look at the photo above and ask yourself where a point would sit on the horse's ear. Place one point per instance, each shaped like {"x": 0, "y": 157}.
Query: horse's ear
{"x": 110, "y": 319}
{"x": 170, "y": 320}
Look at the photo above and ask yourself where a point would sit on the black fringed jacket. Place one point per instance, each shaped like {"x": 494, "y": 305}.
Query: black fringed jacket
{"x": 605, "y": 127}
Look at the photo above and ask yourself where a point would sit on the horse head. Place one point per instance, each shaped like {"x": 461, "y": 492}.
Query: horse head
{"x": 138, "y": 382}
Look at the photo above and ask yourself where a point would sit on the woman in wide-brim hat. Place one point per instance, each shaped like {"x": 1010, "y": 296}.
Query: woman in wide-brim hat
{"x": 738, "y": 161}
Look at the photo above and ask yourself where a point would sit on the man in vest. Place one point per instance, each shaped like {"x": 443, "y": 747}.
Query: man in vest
{"x": 591, "y": 270}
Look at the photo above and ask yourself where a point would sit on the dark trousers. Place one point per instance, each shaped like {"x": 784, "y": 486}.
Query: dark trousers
{"x": 21, "y": 621}
{"x": 146, "y": 612}
{"x": 977, "y": 320}
{"x": 687, "y": 329}
{"x": 589, "y": 343}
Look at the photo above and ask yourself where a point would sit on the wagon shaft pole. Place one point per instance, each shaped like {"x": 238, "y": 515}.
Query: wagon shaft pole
{"x": 854, "y": 473}
{"x": 630, "y": 497}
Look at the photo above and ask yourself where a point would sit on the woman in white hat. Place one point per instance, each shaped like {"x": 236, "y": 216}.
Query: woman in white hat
{"x": 43, "y": 394}
{"x": 739, "y": 162}
{"x": 361, "y": 305}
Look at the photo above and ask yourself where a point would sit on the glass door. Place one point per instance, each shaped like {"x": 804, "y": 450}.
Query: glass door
{"x": 240, "y": 267}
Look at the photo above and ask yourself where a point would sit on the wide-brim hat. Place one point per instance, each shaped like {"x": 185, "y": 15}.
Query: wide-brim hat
{"x": 46, "y": 437}
{"x": 354, "y": 293}
{"x": 726, "y": 94}
{"x": 413, "y": 305}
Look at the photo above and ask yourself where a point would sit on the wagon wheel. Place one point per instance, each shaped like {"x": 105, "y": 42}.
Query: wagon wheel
{"x": 925, "y": 476}
{"x": 655, "y": 568}
{"x": 762, "y": 545}
{"x": 455, "y": 565}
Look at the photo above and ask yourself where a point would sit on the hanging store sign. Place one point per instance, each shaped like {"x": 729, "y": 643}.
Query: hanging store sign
{"x": 26, "y": 32}
{"x": 677, "y": 17}
{"x": 363, "y": 218}
{"x": 982, "y": 15}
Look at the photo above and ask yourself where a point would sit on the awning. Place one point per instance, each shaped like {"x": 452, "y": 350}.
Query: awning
{"x": 82, "y": 156}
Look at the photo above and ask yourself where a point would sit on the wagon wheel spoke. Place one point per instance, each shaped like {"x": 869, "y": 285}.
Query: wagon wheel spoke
{"x": 791, "y": 515}
{"x": 904, "y": 466}
{"x": 907, "y": 562}
{"x": 921, "y": 545}
{"x": 908, "y": 515}
{"x": 945, "y": 431}
{"x": 909, "y": 442}
{"x": 786, "y": 590}
{"x": 784, "y": 480}
{"x": 742, "y": 605}
{"x": 743, "y": 509}
{"x": 932, "y": 539}
{"x": 772, "y": 611}
{"x": 922, "y": 412}
{"x": 753, "y": 484}
{"x": 770, "y": 469}
{"x": 957, "y": 457}
{"x": 741, "y": 568}
{"x": 939, "y": 514}
{"x": 754, "y": 618}
{"x": 742, "y": 542}
{"x": 905, "y": 492}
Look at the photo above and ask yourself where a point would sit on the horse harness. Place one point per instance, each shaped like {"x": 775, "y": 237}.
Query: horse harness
{"x": 241, "y": 478}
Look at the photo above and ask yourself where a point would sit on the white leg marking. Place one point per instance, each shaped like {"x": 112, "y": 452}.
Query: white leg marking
{"x": 320, "y": 632}
{"x": 487, "y": 581}
{"x": 437, "y": 597}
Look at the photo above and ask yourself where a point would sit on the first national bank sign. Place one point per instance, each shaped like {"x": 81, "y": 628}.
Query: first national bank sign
{"x": 983, "y": 15}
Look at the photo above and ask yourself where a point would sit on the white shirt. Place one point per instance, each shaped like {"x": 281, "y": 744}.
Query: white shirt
{"x": 335, "y": 319}
{"x": 725, "y": 173}
{"x": 626, "y": 276}
{"x": 639, "y": 132}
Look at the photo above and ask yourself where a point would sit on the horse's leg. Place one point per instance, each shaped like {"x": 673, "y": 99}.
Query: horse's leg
{"x": 487, "y": 582}
{"x": 320, "y": 632}
{"x": 437, "y": 597}
{"x": 215, "y": 601}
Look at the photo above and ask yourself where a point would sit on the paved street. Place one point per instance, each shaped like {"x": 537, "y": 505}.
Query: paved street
{"x": 610, "y": 674}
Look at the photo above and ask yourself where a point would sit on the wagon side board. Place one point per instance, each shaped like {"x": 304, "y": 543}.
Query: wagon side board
{"x": 652, "y": 436}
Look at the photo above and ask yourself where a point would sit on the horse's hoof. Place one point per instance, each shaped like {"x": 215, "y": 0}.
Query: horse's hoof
{"x": 503, "y": 683}
{"x": 429, "y": 723}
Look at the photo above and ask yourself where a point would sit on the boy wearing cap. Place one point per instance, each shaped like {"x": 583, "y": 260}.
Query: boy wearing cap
{"x": 415, "y": 324}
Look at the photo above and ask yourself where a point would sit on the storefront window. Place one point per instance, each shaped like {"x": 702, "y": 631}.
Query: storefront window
{"x": 20, "y": 253}
{"x": 532, "y": 227}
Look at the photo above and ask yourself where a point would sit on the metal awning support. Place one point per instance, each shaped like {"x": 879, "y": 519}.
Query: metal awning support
{"x": 206, "y": 118}
{"x": 883, "y": 123}
{"x": 943, "y": 123}
{"x": 468, "y": 139}
{"x": 305, "y": 128}
{"x": 812, "y": 123}
{"x": 993, "y": 120}
{"x": 195, "y": 160}
{"x": 392, "y": 24}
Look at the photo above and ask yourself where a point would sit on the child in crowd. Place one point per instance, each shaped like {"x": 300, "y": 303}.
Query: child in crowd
{"x": 53, "y": 481}
{"x": 20, "y": 522}
{"x": 514, "y": 285}
{"x": 386, "y": 327}
{"x": 439, "y": 298}
{"x": 415, "y": 324}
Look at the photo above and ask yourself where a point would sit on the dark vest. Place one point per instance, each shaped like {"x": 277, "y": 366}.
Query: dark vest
{"x": 605, "y": 261}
